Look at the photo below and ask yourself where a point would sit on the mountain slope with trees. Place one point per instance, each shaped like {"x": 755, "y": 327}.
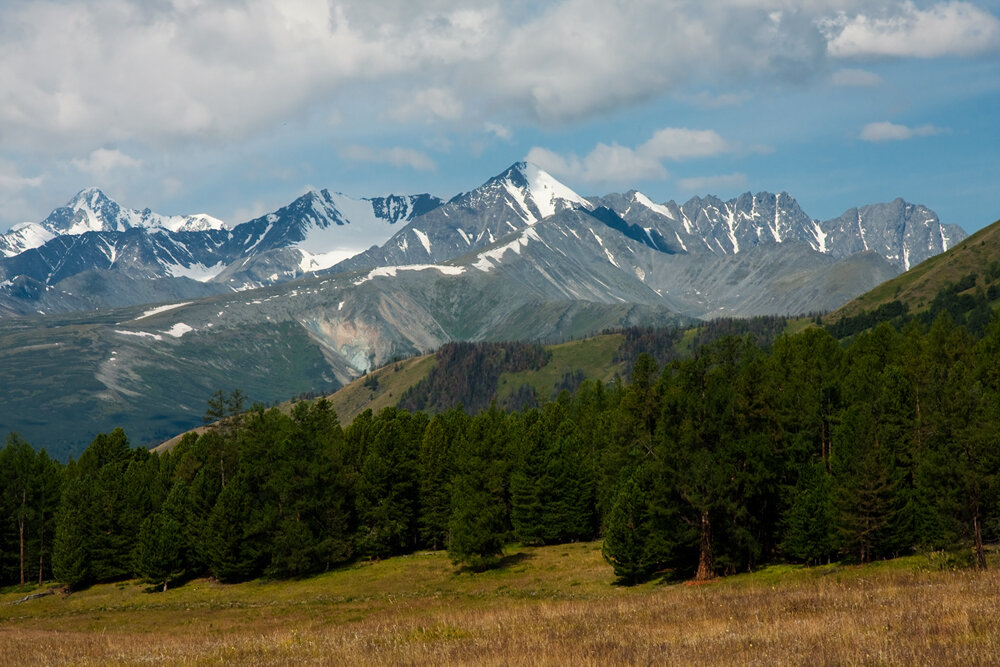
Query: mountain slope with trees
{"x": 735, "y": 456}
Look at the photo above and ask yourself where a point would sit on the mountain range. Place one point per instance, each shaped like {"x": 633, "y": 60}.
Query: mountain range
{"x": 327, "y": 288}
{"x": 94, "y": 253}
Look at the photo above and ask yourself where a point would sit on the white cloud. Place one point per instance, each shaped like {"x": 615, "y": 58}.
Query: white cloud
{"x": 395, "y": 156}
{"x": 945, "y": 29}
{"x": 886, "y": 131}
{"x": 79, "y": 74}
{"x": 498, "y": 130}
{"x": 680, "y": 143}
{"x": 12, "y": 181}
{"x": 217, "y": 72}
{"x": 428, "y": 105}
{"x": 103, "y": 161}
{"x": 713, "y": 184}
{"x": 604, "y": 164}
{"x": 856, "y": 78}
{"x": 620, "y": 164}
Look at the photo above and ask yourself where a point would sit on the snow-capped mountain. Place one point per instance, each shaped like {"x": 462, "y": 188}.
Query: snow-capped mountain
{"x": 328, "y": 232}
{"x": 94, "y": 233}
{"x": 315, "y": 232}
{"x": 24, "y": 236}
{"x": 517, "y": 198}
{"x": 93, "y": 211}
{"x": 904, "y": 234}
{"x": 521, "y": 257}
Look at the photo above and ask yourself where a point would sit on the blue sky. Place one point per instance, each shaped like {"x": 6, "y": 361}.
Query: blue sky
{"x": 235, "y": 107}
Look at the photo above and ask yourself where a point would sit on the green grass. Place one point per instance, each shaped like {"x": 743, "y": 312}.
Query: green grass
{"x": 593, "y": 356}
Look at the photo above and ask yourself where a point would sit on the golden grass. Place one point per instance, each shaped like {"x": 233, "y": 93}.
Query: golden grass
{"x": 552, "y": 605}
{"x": 393, "y": 380}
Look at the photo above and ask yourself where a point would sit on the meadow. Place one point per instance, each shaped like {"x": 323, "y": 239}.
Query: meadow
{"x": 547, "y": 605}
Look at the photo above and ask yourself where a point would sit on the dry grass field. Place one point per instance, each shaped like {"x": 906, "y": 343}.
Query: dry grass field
{"x": 552, "y": 605}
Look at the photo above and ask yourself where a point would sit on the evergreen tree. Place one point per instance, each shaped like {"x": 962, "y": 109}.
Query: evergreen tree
{"x": 628, "y": 534}
{"x": 159, "y": 557}
{"x": 810, "y": 529}
{"x": 480, "y": 517}
{"x": 76, "y": 533}
{"x": 444, "y": 436}
{"x": 235, "y": 545}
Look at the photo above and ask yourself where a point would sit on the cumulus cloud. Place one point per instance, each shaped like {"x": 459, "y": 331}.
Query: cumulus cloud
{"x": 886, "y": 131}
{"x": 620, "y": 164}
{"x": 11, "y": 179}
{"x": 90, "y": 73}
{"x": 80, "y": 74}
{"x": 428, "y": 105}
{"x": 395, "y": 156}
{"x": 103, "y": 161}
{"x": 498, "y": 130}
{"x": 947, "y": 28}
{"x": 604, "y": 164}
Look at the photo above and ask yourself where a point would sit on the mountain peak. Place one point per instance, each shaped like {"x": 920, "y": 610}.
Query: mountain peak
{"x": 541, "y": 188}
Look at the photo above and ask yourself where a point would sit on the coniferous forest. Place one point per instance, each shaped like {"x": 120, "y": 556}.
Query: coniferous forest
{"x": 803, "y": 450}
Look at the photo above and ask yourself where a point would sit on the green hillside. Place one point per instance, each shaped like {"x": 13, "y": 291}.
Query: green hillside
{"x": 916, "y": 289}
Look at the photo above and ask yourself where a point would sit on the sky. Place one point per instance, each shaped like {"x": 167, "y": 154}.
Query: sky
{"x": 236, "y": 107}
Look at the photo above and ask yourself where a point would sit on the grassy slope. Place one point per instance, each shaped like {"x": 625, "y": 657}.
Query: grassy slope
{"x": 549, "y": 605}
{"x": 918, "y": 286}
{"x": 353, "y": 399}
{"x": 594, "y": 356}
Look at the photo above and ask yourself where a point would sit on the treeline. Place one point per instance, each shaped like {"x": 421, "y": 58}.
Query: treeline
{"x": 737, "y": 456}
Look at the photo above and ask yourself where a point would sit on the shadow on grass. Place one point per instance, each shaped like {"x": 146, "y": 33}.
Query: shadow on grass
{"x": 495, "y": 565}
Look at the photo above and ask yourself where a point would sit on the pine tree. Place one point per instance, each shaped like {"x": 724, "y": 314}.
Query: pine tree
{"x": 72, "y": 550}
{"x": 159, "y": 557}
{"x": 443, "y": 437}
{"x": 480, "y": 516}
{"x": 627, "y": 534}
{"x": 809, "y": 523}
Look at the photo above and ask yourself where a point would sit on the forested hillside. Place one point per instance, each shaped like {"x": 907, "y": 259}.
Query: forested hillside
{"x": 735, "y": 456}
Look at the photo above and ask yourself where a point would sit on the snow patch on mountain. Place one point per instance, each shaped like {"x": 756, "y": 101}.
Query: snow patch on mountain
{"x": 179, "y": 330}
{"x": 161, "y": 309}
{"x": 24, "y": 236}
{"x": 426, "y": 242}
{"x": 195, "y": 271}
{"x": 489, "y": 259}
{"x": 548, "y": 194}
{"x": 651, "y": 205}
{"x": 392, "y": 271}
{"x": 140, "y": 334}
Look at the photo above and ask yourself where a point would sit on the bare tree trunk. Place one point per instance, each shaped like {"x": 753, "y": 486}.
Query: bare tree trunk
{"x": 706, "y": 566}
{"x": 977, "y": 532}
